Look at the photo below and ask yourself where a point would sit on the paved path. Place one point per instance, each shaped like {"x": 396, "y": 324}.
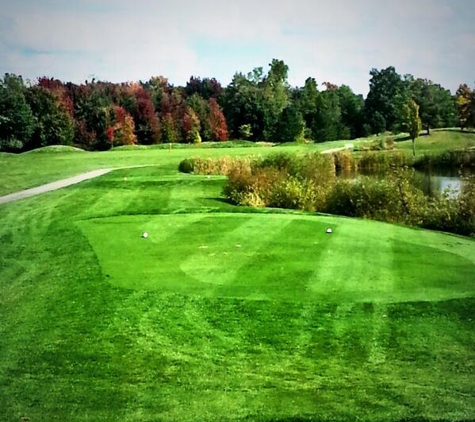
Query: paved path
{"x": 332, "y": 150}
{"x": 53, "y": 186}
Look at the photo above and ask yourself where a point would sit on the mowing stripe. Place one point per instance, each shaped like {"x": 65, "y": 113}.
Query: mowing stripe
{"x": 350, "y": 268}
{"x": 380, "y": 332}
{"x": 230, "y": 251}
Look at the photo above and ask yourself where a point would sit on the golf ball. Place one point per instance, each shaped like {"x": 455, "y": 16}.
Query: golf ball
{"x": 144, "y": 235}
{"x": 329, "y": 230}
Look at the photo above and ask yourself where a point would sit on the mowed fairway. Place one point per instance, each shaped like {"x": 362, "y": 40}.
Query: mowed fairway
{"x": 226, "y": 314}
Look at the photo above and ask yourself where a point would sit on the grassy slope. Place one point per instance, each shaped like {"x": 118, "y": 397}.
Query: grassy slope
{"x": 439, "y": 141}
{"x": 101, "y": 325}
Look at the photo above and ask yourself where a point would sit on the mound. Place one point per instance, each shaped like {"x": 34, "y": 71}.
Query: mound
{"x": 55, "y": 148}
{"x": 281, "y": 257}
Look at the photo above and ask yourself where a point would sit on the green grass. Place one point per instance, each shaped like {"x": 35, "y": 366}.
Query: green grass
{"x": 225, "y": 314}
{"x": 439, "y": 141}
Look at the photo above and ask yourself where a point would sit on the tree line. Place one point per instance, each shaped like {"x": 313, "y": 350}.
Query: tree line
{"x": 257, "y": 106}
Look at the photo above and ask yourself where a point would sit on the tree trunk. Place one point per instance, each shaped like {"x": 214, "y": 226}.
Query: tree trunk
{"x": 428, "y": 130}
{"x": 413, "y": 147}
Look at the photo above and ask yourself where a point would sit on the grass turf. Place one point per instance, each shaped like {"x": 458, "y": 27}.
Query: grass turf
{"x": 374, "y": 322}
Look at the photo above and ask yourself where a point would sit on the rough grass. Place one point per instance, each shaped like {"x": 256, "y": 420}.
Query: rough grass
{"x": 439, "y": 141}
{"x": 375, "y": 322}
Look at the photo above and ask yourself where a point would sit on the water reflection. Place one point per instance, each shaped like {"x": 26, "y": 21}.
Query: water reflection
{"x": 431, "y": 182}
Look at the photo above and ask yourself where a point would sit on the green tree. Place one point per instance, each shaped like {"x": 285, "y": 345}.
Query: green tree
{"x": 17, "y": 121}
{"x": 413, "y": 122}
{"x": 437, "y": 108}
{"x": 351, "y": 106}
{"x": 242, "y": 104}
{"x": 291, "y": 126}
{"x": 308, "y": 100}
{"x": 387, "y": 95}
{"x": 54, "y": 125}
{"x": 274, "y": 97}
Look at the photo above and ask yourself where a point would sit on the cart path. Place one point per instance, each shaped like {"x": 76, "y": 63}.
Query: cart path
{"x": 53, "y": 186}
{"x": 332, "y": 150}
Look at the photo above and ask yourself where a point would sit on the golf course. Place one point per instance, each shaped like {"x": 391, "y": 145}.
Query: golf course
{"x": 222, "y": 313}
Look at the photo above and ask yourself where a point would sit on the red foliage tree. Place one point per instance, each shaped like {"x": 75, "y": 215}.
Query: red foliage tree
{"x": 219, "y": 129}
{"x": 122, "y": 131}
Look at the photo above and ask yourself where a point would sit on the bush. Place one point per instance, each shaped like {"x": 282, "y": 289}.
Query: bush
{"x": 11, "y": 145}
{"x": 186, "y": 166}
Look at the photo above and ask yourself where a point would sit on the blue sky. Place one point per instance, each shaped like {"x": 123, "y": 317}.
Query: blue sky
{"x": 338, "y": 41}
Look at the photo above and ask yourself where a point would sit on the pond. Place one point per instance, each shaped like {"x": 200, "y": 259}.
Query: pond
{"x": 430, "y": 182}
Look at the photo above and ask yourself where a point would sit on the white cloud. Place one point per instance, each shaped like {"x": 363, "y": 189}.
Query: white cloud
{"x": 337, "y": 41}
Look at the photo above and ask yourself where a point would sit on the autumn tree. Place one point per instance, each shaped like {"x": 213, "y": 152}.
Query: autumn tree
{"x": 121, "y": 130}
{"x": 206, "y": 88}
{"x": 191, "y": 126}
{"x": 465, "y": 98}
{"x": 217, "y": 122}
{"x": 169, "y": 129}
{"x": 201, "y": 107}
{"x": 412, "y": 122}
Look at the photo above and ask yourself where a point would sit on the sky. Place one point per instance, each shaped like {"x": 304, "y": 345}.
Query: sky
{"x": 337, "y": 41}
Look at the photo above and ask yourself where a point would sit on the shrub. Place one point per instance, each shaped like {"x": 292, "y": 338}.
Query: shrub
{"x": 392, "y": 199}
{"x": 245, "y": 131}
{"x": 186, "y": 166}
{"x": 295, "y": 194}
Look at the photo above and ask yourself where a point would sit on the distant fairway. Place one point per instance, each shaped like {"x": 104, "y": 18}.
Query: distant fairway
{"x": 224, "y": 314}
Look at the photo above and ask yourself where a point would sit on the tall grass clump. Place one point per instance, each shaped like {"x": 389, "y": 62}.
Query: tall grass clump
{"x": 448, "y": 159}
{"x": 345, "y": 161}
{"x": 214, "y": 166}
{"x": 383, "y": 161}
{"x": 282, "y": 181}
